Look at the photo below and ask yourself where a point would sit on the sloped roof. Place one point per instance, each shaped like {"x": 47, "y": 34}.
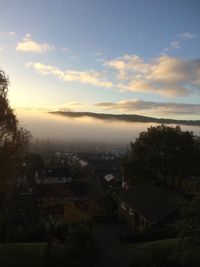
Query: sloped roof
{"x": 109, "y": 177}
{"x": 149, "y": 201}
{"x": 83, "y": 163}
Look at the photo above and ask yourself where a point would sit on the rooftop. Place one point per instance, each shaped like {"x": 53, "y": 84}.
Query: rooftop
{"x": 151, "y": 202}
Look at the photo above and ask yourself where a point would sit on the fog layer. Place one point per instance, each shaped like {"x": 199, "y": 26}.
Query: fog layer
{"x": 50, "y": 126}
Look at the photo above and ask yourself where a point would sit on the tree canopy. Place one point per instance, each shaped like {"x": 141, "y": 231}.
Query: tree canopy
{"x": 188, "y": 230}
{"x": 164, "y": 154}
{"x": 13, "y": 139}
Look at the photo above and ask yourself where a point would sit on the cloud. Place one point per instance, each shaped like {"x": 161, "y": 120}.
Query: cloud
{"x": 29, "y": 45}
{"x": 165, "y": 75}
{"x": 71, "y": 106}
{"x": 119, "y": 65}
{"x": 7, "y": 34}
{"x": 176, "y": 44}
{"x": 88, "y": 77}
{"x": 42, "y": 109}
{"x": 98, "y": 54}
{"x": 127, "y": 65}
{"x": 159, "y": 108}
{"x": 11, "y": 33}
{"x": 172, "y": 46}
{"x": 1, "y": 48}
{"x": 65, "y": 49}
{"x": 187, "y": 36}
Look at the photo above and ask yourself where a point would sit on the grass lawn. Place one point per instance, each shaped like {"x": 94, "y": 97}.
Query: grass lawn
{"x": 154, "y": 253}
{"x": 158, "y": 244}
{"x": 22, "y": 254}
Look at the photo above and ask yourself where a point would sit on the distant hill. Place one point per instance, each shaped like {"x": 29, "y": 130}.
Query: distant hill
{"x": 126, "y": 117}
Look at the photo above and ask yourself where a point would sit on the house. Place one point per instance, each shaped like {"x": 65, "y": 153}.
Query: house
{"x": 110, "y": 181}
{"x": 53, "y": 176}
{"x": 109, "y": 177}
{"x": 83, "y": 163}
{"x": 145, "y": 206}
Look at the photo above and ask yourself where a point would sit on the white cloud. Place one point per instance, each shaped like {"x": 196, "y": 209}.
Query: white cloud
{"x": 159, "y": 108}
{"x": 187, "y": 35}
{"x": 172, "y": 46}
{"x": 165, "y": 75}
{"x": 128, "y": 64}
{"x": 1, "y": 48}
{"x": 175, "y": 45}
{"x": 88, "y": 77}
{"x": 11, "y": 33}
{"x": 7, "y": 34}
{"x": 29, "y": 45}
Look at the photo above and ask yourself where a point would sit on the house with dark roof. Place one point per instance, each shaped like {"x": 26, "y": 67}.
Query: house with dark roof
{"x": 53, "y": 176}
{"x": 145, "y": 206}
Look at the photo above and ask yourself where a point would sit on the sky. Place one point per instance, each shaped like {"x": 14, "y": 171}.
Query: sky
{"x": 105, "y": 56}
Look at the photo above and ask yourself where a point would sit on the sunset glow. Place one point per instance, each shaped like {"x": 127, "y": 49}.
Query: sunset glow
{"x": 109, "y": 57}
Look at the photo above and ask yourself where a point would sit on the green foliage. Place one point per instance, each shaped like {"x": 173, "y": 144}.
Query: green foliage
{"x": 23, "y": 254}
{"x": 159, "y": 244}
{"x": 164, "y": 154}
{"x": 16, "y": 234}
{"x": 72, "y": 214}
{"x": 13, "y": 140}
{"x": 110, "y": 204}
{"x": 34, "y": 162}
{"x": 188, "y": 228}
{"x": 158, "y": 253}
{"x": 78, "y": 247}
{"x": 159, "y": 258}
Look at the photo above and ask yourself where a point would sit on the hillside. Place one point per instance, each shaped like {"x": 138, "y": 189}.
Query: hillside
{"x": 126, "y": 117}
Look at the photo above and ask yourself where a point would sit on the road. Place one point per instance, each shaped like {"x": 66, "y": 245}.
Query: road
{"x": 113, "y": 252}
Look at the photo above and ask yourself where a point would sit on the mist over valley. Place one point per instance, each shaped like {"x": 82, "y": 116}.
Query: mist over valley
{"x": 75, "y": 127}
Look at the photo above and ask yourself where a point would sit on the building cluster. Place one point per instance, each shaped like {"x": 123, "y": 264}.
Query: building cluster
{"x": 81, "y": 181}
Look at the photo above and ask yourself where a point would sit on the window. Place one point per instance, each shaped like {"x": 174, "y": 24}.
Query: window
{"x": 131, "y": 211}
{"x": 123, "y": 205}
{"x": 144, "y": 222}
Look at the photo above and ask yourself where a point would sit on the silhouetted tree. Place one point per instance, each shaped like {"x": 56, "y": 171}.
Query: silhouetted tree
{"x": 164, "y": 154}
{"x": 13, "y": 140}
{"x": 78, "y": 247}
{"x": 34, "y": 162}
{"x": 188, "y": 228}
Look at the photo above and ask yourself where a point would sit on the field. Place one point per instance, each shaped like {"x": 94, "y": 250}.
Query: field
{"x": 159, "y": 244}
{"x": 34, "y": 254}
{"x": 22, "y": 254}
